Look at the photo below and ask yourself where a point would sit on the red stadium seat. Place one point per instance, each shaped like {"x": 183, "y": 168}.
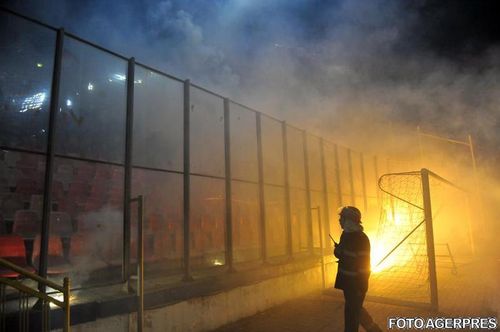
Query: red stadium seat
{"x": 85, "y": 172}
{"x": 10, "y": 203}
{"x": 57, "y": 264}
{"x": 58, "y": 190}
{"x": 60, "y": 224}
{"x": 12, "y": 249}
{"x": 26, "y": 186}
{"x": 4, "y": 184}
{"x": 36, "y": 204}
{"x": 78, "y": 190}
{"x": 3, "y": 227}
{"x": 26, "y": 224}
{"x": 102, "y": 173}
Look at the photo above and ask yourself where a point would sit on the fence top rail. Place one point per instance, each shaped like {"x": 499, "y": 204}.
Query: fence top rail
{"x": 207, "y": 91}
{"x": 32, "y": 20}
{"x": 159, "y": 72}
{"x": 271, "y": 117}
{"x": 31, "y": 275}
{"x": 94, "y": 45}
{"x": 248, "y": 108}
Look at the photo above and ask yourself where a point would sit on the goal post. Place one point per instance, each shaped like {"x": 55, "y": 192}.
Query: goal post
{"x": 404, "y": 266}
{"x": 429, "y": 237}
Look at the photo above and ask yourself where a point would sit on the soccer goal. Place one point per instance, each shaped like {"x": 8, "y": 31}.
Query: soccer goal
{"x": 424, "y": 219}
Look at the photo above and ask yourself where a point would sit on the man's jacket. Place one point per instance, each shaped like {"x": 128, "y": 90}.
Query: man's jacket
{"x": 353, "y": 252}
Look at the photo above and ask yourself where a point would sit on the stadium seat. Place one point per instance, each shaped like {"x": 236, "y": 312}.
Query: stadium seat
{"x": 58, "y": 192}
{"x": 4, "y": 185}
{"x": 10, "y": 203}
{"x": 3, "y": 227}
{"x": 12, "y": 249}
{"x": 26, "y": 186}
{"x": 84, "y": 172}
{"x": 36, "y": 204}
{"x": 78, "y": 190}
{"x": 102, "y": 173}
{"x": 57, "y": 263}
{"x": 26, "y": 224}
{"x": 60, "y": 224}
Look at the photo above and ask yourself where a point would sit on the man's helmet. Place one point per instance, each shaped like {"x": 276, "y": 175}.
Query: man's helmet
{"x": 350, "y": 212}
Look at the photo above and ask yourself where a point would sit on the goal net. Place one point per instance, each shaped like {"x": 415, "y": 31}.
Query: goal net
{"x": 399, "y": 261}
{"x": 408, "y": 248}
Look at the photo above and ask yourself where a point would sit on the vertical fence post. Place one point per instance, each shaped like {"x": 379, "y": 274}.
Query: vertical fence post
{"x": 262, "y": 205}
{"x": 49, "y": 161}
{"x": 326, "y": 203}
{"x": 323, "y": 279}
{"x": 308, "y": 190}
{"x": 186, "y": 178}
{"x": 351, "y": 177}
{"x": 140, "y": 263}
{"x": 429, "y": 234}
{"x": 229, "y": 205}
{"x": 288, "y": 212}
{"x": 363, "y": 182}
{"x": 128, "y": 170}
{"x": 337, "y": 176}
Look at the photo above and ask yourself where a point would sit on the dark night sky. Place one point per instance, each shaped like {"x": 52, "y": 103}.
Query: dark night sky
{"x": 433, "y": 63}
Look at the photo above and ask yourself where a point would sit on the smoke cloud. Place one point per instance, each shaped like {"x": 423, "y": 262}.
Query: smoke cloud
{"x": 336, "y": 65}
{"x": 362, "y": 73}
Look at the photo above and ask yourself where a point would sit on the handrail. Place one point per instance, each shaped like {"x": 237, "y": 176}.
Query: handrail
{"x": 30, "y": 275}
{"x": 65, "y": 289}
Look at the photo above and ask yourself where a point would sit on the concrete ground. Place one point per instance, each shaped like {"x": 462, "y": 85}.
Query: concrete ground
{"x": 473, "y": 292}
{"x": 316, "y": 312}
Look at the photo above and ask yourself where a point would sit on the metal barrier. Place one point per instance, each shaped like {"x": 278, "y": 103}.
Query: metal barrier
{"x": 25, "y": 292}
{"x": 321, "y": 248}
{"x": 140, "y": 263}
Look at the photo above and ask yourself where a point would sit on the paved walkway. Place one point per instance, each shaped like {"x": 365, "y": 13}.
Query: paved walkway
{"x": 475, "y": 291}
{"x": 315, "y": 312}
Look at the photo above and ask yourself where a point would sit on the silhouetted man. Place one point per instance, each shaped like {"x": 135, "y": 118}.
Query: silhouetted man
{"x": 353, "y": 252}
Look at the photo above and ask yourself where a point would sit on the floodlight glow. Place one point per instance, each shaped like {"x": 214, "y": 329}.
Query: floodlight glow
{"x": 90, "y": 87}
{"x": 120, "y": 77}
{"x": 69, "y": 103}
{"x": 39, "y": 65}
{"x": 32, "y": 103}
{"x": 217, "y": 262}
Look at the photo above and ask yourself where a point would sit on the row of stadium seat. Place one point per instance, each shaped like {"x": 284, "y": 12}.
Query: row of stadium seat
{"x": 14, "y": 249}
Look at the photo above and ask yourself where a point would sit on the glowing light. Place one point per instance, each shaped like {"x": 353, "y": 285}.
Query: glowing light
{"x": 383, "y": 246}
{"x": 32, "y": 103}
{"x": 39, "y": 65}
{"x": 90, "y": 87}
{"x": 138, "y": 81}
{"x": 217, "y": 262}
{"x": 120, "y": 77}
{"x": 60, "y": 297}
{"x": 69, "y": 103}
